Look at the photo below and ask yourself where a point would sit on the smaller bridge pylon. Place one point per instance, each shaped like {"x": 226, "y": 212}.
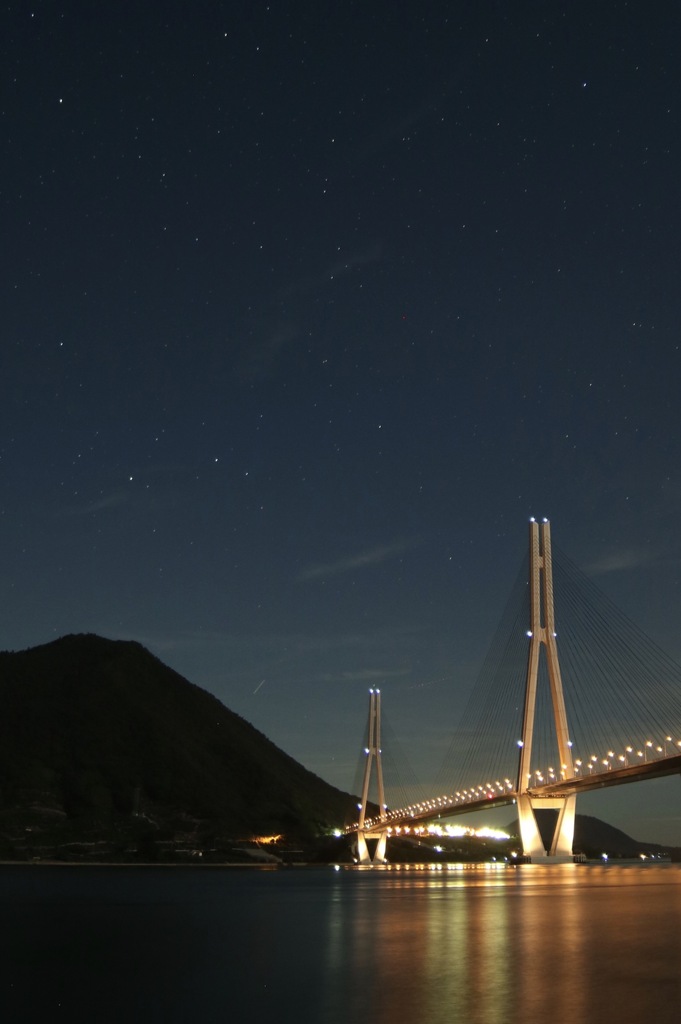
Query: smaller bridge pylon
{"x": 375, "y": 834}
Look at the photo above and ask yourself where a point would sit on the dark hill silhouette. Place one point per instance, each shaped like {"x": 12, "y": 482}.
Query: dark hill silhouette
{"x": 99, "y": 732}
{"x": 594, "y": 837}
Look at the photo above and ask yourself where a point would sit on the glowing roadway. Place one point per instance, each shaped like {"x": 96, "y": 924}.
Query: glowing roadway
{"x": 598, "y": 775}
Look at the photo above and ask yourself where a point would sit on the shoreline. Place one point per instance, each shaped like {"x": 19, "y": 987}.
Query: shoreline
{"x": 391, "y": 866}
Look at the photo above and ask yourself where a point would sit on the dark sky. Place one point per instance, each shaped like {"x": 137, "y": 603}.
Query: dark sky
{"x": 306, "y": 308}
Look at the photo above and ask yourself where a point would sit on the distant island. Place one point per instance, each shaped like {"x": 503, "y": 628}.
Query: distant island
{"x": 108, "y": 755}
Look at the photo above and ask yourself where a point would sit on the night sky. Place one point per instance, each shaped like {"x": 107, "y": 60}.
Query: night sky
{"x": 306, "y": 309}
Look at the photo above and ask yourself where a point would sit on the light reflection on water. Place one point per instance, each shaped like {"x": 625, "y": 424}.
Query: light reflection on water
{"x": 488, "y": 946}
{"x": 533, "y": 944}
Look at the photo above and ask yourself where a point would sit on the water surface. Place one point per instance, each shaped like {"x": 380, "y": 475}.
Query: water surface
{"x": 482, "y": 945}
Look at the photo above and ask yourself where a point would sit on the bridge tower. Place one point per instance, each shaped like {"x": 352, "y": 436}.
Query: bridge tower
{"x": 373, "y": 756}
{"x": 542, "y": 633}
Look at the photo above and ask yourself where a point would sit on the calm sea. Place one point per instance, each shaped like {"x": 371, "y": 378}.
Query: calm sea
{"x": 578, "y": 943}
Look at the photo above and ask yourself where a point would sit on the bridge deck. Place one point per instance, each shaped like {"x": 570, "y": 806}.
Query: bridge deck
{"x": 613, "y": 777}
{"x": 445, "y": 807}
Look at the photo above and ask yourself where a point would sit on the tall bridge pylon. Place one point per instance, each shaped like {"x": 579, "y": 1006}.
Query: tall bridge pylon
{"x": 373, "y": 757}
{"x": 542, "y": 633}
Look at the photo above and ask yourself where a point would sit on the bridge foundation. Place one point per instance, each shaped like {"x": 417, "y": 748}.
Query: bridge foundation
{"x": 560, "y": 846}
{"x": 365, "y": 855}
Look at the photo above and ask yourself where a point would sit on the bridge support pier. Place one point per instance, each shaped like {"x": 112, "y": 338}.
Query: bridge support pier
{"x": 560, "y": 848}
{"x": 364, "y": 854}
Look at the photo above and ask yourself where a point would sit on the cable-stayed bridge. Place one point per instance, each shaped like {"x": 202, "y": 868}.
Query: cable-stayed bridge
{"x": 538, "y": 730}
